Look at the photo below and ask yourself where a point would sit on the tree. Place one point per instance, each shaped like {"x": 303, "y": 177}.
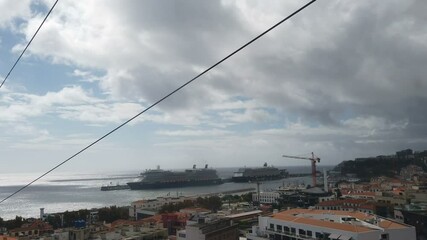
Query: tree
{"x": 55, "y": 221}
{"x": 175, "y": 207}
{"x": 247, "y": 197}
{"x": 113, "y": 213}
{"x": 213, "y": 203}
{"x": 14, "y": 223}
{"x": 338, "y": 193}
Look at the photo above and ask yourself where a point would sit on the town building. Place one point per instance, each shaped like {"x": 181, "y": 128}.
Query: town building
{"x": 174, "y": 221}
{"x": 301, "y": 224}
{"x": 327, "y": 198}
{"x": 349, "y": 193}
{"x": 7, "y": 238}
{"x": 143, "y": 208}
{"x": 266, "y": 197}
{"x": 302, "y": 197}
{"x": 409, "y": 171}
{"x": 415, "y": 215}
{"x": 223, "y": 229}
{"x": 361, "y": 205}
{"x": 32, "y": 230}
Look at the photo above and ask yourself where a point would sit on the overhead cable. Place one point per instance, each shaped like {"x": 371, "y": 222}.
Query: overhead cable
{"x": 28, "y": 44}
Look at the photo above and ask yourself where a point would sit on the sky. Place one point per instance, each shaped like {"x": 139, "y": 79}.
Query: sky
{"x": 342, "y": 79}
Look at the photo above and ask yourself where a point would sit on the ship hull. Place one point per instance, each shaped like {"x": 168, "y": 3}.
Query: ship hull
{"x": 112, "y": 188}
{"x": 156, "y": 185}
{"x": 254, "y": 179}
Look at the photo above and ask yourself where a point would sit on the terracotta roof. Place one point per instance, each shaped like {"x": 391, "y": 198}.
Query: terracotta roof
{"x": 179, "y": 215}
{"x": 391, "y": 225}
{"x": 330, "y": 203}
{"x": 352, "y": 193}
{"x": 320, "y": 223}
{"x": 367, "y": 207}
{"x": 122, "y": 222}
{"x": 342, "y": 202}
{"x": 155, "y": 218}
{"x": 194, "y": 209}
{"x": 7, "y": 238}
{"x": 36, "y": 225}
{"x": 296, "y": 215}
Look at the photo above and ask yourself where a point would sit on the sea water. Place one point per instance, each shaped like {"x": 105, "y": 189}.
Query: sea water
{"x": 60, "y": 192}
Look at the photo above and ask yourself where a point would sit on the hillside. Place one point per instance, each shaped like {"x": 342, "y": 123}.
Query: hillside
{"x": 387, "y": 165}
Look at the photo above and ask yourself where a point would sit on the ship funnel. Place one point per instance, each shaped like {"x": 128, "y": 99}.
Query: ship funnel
{"x": 206, "y": 166}
{"x": 265, "y": 164}
{"x": 194, "y": 166}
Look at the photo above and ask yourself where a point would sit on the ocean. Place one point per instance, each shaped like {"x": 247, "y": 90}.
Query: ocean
{"x": 60, "y": 192}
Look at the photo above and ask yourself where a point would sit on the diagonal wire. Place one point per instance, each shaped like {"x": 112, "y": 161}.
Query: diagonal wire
{"x": 28, "y": 44}
{"x": 162, "y": 99}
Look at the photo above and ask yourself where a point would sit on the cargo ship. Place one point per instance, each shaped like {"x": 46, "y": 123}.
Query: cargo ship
{"x": 159, "y": 178}
{"x": 259, "y": 174}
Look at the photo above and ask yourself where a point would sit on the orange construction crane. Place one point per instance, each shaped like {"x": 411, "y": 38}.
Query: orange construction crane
{"x": 313, "y": 160}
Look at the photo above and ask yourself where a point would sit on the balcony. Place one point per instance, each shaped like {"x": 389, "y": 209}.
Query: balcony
{"x": 290, "y": 234}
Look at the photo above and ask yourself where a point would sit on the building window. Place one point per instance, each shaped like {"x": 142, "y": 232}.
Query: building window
{"x": 319, "y": 235}
{"x": 309, "y": 233}
{"x": 293, "y": 230}
{"x": 279, "y": 228}
{"x": 285, "y": 229}
{"x": 271, "y": 226}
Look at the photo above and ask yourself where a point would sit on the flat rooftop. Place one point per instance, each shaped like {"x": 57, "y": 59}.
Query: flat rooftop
{"x": 362, "y": 222}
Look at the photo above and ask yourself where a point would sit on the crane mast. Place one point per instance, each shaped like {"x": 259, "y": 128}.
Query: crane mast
{"x": 313, "y": 160}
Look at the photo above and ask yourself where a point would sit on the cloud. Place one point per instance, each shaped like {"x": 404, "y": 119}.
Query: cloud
{"x": 338, "y": 77}
{"x": 249, "y": 115}
{"x": 15, "y": 10}
{"x": 21, "y": 106}
{"x": 195, "y": 133}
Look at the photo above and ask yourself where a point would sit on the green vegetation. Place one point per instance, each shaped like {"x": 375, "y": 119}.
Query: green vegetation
{"x": 213, "y": 203}
{"x": 113, "y": 213}
{"x": 366, "y": 168}
{"x": 14, "y": 223}
{"x": 171, "y": 207}
{"x": 231, "y": 199}
{"x": 70, "y": 217}
{"x": 247, "y": 197}
{"x": 107, "y": 214}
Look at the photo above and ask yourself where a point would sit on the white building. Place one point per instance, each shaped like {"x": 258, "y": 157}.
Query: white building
{"x": 266, "y": 197}
{"x": 299, "y": 224}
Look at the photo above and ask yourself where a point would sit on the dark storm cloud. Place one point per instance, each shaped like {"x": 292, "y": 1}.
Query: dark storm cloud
{"x": 374, "y": 66}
